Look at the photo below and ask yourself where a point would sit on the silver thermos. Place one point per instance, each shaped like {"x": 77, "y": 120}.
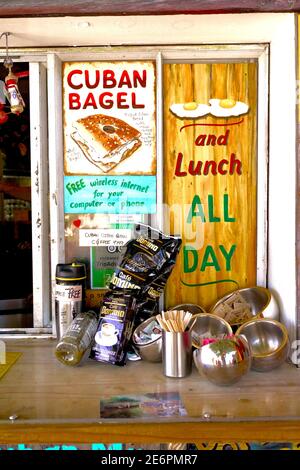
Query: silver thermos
{"x": 69, "y": 294}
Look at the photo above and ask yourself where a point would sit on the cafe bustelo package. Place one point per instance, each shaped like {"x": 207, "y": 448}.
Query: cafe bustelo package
{"x": 145, "y": 268}
{"x": 115, "y": 327}
{"x": 147, "y": 262}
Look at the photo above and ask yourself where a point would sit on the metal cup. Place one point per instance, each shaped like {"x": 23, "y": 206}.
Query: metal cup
{"x": 177, "y": 353}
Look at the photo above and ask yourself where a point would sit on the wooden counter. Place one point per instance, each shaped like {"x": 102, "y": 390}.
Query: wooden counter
{"x": 55, "y": 403}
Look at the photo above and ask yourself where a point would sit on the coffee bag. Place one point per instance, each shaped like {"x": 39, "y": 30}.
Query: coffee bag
{"x": 115, "y": 328}
{"x": 146, "y": 267}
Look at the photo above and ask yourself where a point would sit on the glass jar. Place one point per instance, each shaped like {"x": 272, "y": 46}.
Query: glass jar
{"x": 77, "y": 339}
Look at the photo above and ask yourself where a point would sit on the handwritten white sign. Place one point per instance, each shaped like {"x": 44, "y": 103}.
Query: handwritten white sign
{"x": 104, "y": 237}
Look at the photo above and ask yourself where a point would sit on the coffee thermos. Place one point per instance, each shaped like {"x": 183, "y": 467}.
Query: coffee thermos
{"x": 69, "y": 294}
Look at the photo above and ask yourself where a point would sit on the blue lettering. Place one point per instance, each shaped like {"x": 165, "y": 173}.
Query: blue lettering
{"x": 23, "y": 447}
{"x": 100, "y": 446}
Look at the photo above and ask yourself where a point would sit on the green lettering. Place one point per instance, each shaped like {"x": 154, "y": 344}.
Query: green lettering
{"x": 81, "y": 184}
{"x": 227, "y": 218}
{"x": 187, "y": 268}
{"x": 209, "y": 253}
{"x": 196, "y": 203}
{"x": 228, "y": 255}
{"x": 68, "y": 186}
{"x": 211, "y": 216}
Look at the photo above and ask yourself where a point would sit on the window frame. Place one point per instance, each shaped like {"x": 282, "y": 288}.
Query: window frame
{"x": 161, "y": 54}
{"x": 39, "y": 199}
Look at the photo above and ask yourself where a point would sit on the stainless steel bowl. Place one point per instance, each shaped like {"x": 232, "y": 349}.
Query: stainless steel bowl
{"x": 210, "y": 325}
{"x": 224, "y": 362}
{"x": 152, "y": 351}
{"x": 260, "y": 299}
{"x": 192, "y": 308}
{"x": 269, "y": 343}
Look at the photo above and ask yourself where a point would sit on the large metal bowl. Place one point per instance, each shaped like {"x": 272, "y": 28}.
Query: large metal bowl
{"x": 209, "y": 325}
{"x": 260, "y": 299}
{"x": 192, "y": 308}
{"x": 152, "y": 351}
{"x": 224, "y": 362}
{"x": 269, "y": 343}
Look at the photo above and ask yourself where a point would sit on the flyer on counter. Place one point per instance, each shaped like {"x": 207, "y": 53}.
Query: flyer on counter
{"x": 163, "y": 405}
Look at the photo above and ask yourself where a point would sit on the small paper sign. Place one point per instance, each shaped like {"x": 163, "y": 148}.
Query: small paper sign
{"x": 104, "y": 237}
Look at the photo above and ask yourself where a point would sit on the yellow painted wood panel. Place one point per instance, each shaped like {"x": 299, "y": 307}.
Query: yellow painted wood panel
{"x": 227, "y": 197}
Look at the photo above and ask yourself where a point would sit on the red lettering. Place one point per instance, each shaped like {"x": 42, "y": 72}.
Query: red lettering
{"x": 235, "y": 162}
{"x": 70, "y": 77}
{"x": 178, "y": 165}
{"x": 193, "y": 170}
{"x": 207, "y": 165}
{"x": 74, "y": 101}
{"x": 109, "y": 80}
{"x": 223, "y": 139}
{"x": 90, "y": 101}
{"x": 125, "y": 80}
{"x": 211, "y": 139}
{"x": 220, "y": 167}
{"x": 200, "y": 140}
{"x": 107, "y": 100}
{"x": 121, "y": 100}
{"x": 138, "y": 80}
{"x": 87, "y": 79}
{"x": 135, "y": 105}
{"x": 104, "y": 102}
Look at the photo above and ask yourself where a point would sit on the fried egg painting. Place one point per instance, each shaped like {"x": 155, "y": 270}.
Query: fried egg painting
{"x": 190, "y": 110}
{"x": 227, "y": 108}
{"x": 217, "y": 107}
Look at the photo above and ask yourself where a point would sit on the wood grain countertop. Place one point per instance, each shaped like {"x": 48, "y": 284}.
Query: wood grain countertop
{"x": 56, "y": 403}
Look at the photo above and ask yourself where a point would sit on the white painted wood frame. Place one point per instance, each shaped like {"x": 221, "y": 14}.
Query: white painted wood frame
{"x": 39, "y": 194}
{"x": 56, "y": 170}
{"x": 42, "y": 315}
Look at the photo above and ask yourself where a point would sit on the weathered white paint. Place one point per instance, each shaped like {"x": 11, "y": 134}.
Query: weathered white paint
{"x": 143, "y": 30}
{"x": 262, "y": 166}
{"x": 39, "y": 193}
{"x": 55, "y": 132}
{"x": 209, "y": 52}
{"x": 157, "y": 219}
{"x": 282, "y": 171}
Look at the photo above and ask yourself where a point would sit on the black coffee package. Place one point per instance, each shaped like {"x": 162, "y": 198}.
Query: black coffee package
{"x": 147, "y": 304}
{"x": 147, "y": 263}
{"x": 145, "y": 268}
{"x": 114, "y": 331}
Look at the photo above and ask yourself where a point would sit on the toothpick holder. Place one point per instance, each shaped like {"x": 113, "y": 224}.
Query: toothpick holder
{"x": 177, "y": 353}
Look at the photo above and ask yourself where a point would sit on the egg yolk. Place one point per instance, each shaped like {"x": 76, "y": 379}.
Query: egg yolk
{"x": 190, "y": 106}
{"x": 227, "y": 103}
